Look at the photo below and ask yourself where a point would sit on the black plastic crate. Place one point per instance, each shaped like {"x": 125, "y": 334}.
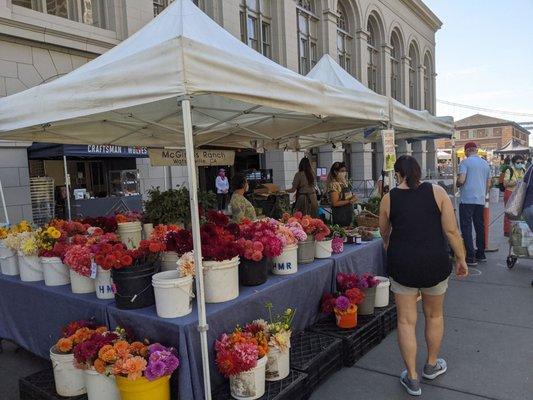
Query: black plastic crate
{"x": 389, "y": 318}
{"x": 41, "y": 386}
{"x": 355, "y": 342}
{"x": 317, "y": 355}
{"x": 290, "y": 388}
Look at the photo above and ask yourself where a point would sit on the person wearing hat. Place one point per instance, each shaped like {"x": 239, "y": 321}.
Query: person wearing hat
{"x": 222, "y": 185}
{"x": 474, "y": 182}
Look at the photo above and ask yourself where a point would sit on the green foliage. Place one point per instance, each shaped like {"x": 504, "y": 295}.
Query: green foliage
{"x": 373, "y": 205}
{"x": 337, "y": 231}
{"x": 173, "y": 206}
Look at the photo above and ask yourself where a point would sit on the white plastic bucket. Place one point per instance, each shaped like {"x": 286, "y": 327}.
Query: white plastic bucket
{"x": 100, "y": 387}
{"x": 147, "y": 230}
{"x": 173, "y": 294}
{"x": 30, "y": 268}
{"x": 221, "y": 280}
{"x": 68, "y": 379}
{"x": 130, "y": 233}
{"x": 278, "y": 364}
{"x": 9, "y": 262}
{"x": 103, "y": 284}
{"x": 55, "y": 272}
{"x": 306, "y": 250}
{"x": 382, "y": 291}
{"x": 169, "y": 261}
{"x": 323, "y": 249}
{"x": 287, "y": 262}
{"x": 249, "y": 385}
{"x": 81, "y": 284}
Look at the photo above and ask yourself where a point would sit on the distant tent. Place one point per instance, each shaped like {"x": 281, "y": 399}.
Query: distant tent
{"x": 513, "y": 147}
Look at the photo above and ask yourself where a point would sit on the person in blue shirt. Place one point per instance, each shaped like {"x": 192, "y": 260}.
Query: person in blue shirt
{"x": 474, "y": 181}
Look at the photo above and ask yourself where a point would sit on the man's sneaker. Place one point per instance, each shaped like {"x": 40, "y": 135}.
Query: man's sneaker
{"x": 471, "y": 262}
{"x": 432, "y": 371}
{"x": 481, "y": 259}
{"x": 412, "y": 386}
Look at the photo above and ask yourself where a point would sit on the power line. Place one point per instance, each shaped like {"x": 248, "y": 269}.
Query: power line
{"x": 518, "y": 114}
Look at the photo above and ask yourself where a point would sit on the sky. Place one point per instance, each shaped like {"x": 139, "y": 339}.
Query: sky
{"x": 484, "y": 57}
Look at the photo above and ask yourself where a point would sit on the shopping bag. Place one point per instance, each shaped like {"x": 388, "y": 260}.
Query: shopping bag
{"x": 515, "y": 204}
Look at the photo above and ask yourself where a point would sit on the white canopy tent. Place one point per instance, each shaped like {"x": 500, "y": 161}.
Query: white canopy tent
{"x": 182, "y": 80}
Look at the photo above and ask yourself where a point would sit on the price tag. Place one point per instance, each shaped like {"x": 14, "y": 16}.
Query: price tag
{"x": 94, "y": 269}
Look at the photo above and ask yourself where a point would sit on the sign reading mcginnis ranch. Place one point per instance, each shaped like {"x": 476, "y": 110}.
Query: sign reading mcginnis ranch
{"x": 203, "y": 158}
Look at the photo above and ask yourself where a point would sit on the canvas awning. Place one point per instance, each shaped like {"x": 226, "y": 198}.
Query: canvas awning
{"x": 53, "y": 150}
{"x": 513, "y": 147}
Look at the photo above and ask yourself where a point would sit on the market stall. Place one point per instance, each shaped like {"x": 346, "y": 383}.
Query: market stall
{"x": 184, "y": 81}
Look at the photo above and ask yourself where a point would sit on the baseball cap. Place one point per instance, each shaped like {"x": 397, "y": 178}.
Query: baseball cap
{"x": 471, "y": 145}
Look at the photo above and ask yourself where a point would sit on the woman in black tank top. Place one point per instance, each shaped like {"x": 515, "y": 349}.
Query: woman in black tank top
{"x": 417, "y": 223}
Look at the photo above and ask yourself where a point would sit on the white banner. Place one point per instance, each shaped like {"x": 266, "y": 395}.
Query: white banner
{"x": 389, "y": 149}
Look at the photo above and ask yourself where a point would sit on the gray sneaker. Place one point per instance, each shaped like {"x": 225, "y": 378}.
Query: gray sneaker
{"x": 432, "y": 371}
{"x": 412, "y": 386}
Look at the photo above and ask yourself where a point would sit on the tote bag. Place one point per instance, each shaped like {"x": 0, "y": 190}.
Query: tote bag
{"x": 514, "y": 206}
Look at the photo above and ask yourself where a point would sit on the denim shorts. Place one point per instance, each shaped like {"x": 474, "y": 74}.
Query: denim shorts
{"x": 437, "y": 290}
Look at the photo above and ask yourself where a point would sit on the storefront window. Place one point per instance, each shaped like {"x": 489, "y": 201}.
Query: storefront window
{"x": 255, "y": 16}
{"x": 307, "y": 36}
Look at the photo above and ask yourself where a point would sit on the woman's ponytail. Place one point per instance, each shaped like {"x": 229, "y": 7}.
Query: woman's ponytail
{"x": 409, "y": 169}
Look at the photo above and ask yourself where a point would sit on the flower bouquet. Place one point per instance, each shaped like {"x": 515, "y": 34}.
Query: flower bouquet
{"x": 52, "y": 244}
{"x": 258, "y": 242}
{"x": 278, "y": 331}
{"x": 366, "y": 283}
{"x": 79, "y": 259}
{"x": 31, "y": 269}
{"x": 344, "y": 305}
{"x": 242, "y": 356}
{"x": 315, "y": 229}
{"x": 290, "y": 234}
{"x": 69, "y": 380}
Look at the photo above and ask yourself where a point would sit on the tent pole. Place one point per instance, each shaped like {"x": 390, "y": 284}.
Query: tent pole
{"x": 67, "y": 186}
{"x": 454, "y": 169}
{"x": 195, "y": 223}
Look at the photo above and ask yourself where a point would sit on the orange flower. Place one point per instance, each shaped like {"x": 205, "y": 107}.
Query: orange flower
{"x": 138, "y": 348}
{"x": 132, "y": 367}
{"x": 107, "y": 353}
{"x": 99, "y": 366}
{"x": 121, "y": 218}
{"x": 64, "y": 345}
{"x": 122, "y": 348}
{"x": 101, "y": 329}
{"x": 81, "y": 335}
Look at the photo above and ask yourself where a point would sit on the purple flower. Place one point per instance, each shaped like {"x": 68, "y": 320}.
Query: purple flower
{"x": 156, "y": 347}
{"x": 155, "y": 370}
{"x": 342, "y": 303}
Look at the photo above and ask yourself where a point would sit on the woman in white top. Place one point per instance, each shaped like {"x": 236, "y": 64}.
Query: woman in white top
{"x": 222, "y": 185}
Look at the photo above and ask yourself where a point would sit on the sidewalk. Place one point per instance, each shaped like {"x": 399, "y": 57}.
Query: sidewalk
{"x": 488, "y": 340}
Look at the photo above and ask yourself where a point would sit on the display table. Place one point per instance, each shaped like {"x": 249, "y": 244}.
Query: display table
{"x": 32, "y": 314}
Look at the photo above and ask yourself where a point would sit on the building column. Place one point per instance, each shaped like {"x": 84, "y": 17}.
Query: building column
{"x": 361, "y": 162}
{"x": 329, "y": 29}
{"x": 387, "y": 69}
{"x": 361, "y": 45}
{"x": 434, "y": 93}
{"x": 421, "y": 96}
{"x": 405, "y": 75}
{"x": 403, "y": 148}
{"x": 284, "y": 34}
{"x": 284, "y": 164}
{"x": 419, "y": 152}
{"x": 431, "y": 157}
{"x": 328, "y": 154}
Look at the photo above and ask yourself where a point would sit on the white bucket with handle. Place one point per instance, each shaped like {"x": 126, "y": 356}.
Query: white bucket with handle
{"x": 103, "y": 284}
{"x": 55, "y": 272}
{"x": 80, "y": 284}
{"x": 9, "y": 263}
{"x": 30, "y": 267}
{"x": 68, "y": 379}
{"x": 169, "y": 261}
{"x": 173, "y": 294}
{"x": 130, "y": 233}
{"x": 221, "y": 280}
{"x": 100, "y": 386}
{"x": 382, "y": 291}
{"x": 249, "y": 385}
{"x": 323, "y": 248}
{"x": 287, "y": 262}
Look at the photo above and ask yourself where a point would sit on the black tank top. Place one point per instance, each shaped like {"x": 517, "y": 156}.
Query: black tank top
{"x": 418, "y": 251}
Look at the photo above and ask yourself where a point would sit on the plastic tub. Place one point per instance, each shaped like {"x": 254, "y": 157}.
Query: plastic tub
{"x": 287, "y": 262}
{"x": 306, "y": 250}
{"x": 368, "y": 304}
{"x": 173, "y": 294}
{"x": 382, "y": 292}
{"x": 323, "y": 249}
{"x": 221, "y": 280}
{"x": 130, "y": 233}
{"x": 30, "y": 268}
{"x": 55, "y": 272}
{"x": 9, "y": 262}
{"x": 100, "y": 387}
{"x": 68, "y": 379}
{"x": 143, "y": 389}
{"x": 169, "y": 261}
{"x": 249, "y": 385}
{"x": 104, "y": 284}
{"x": 253, "y": 273}
{"x": 134, "y": 287}
{"x": 80, "y": 284}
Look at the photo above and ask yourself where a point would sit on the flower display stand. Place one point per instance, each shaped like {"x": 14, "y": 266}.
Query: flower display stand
{"x": 388, "y": 317}
{"x": 290, "y": 388}
{"x": 316, "y": 355}
{"x": 40, "y": 386}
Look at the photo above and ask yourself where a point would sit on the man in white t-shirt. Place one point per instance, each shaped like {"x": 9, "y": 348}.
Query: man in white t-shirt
{"x": 222, "y": 185}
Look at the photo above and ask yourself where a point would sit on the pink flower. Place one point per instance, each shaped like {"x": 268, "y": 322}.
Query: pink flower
{"x": 257, "y": 256}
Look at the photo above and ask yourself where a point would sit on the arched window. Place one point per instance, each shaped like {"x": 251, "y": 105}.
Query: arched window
{"x": 396, "y": 74}
{"x": 414, "y": 63}
{"x": 255, "y": 17}
{"x": 344, "y": 38}
{"x": 307, "y": 20}
{"x": 374, "y": 54}
{"x": 428, "y": 83}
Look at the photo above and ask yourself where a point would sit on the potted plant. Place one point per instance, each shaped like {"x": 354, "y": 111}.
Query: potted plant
{"x": 258, "y": 242}
{"x": 242, "y": 357}
{"x": 174, "y": 289}
{"x": 289, "y": 234}
{"x": 52, "y": 246}
{"x": 69, "y": 380}
{"x": 344, "y": 306}
{"x": 366, "y": 283}
{"x": 278, "y": 330}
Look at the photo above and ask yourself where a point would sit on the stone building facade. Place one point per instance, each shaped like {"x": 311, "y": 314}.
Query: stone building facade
{"x": 389, "y": 45}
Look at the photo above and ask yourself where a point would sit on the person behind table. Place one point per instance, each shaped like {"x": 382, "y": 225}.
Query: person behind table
{"x": 222, "y": 185}
{"x": 474, "y": 182}
{"x": 340, "y": 196}
{"x": 417, "y": 222}
{"x": 512, "y": 176}
{"x": 304, "y": 186}
{"x": 241, "y": 208}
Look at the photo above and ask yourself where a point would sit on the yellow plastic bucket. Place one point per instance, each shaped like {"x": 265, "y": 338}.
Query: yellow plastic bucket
{"x": 143, "y": 389}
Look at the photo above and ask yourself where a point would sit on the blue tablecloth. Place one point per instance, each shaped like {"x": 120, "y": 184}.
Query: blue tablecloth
{"x": 32, "y": 314}
{"x": 301, "y": 291}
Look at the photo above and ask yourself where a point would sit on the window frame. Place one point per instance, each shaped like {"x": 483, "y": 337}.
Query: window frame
{"x": 396, "y": 71}
{"x": 374, "y": 65}
{"x": 414, "y": 78}
{"x": 262, "y": 44}
{"x": 307, "y": 53}
{"x": 345, "y": 38}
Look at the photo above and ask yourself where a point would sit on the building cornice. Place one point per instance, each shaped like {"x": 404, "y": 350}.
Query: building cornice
{"x": 500, "y": 124}
{"x": 424, "y": 12}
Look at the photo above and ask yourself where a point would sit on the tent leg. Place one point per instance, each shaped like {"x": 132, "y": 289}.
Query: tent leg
{"x": 67, "y": 186}
{"x": 195, "y": 223}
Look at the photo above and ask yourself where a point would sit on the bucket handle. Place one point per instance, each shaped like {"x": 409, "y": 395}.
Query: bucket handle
{"x": 31, "y": 266}
{"x": 134, "y": 297}
{"x": 177, "y": 286}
